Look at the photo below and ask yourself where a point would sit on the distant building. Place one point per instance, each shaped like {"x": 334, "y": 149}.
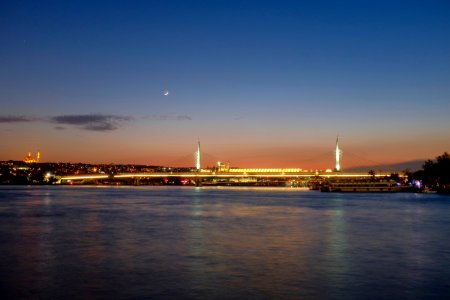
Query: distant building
{"x": 30, "y": 159}
{"x": 223, "y": 167}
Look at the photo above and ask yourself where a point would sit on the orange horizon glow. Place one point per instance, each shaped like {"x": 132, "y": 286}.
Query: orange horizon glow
{"x": 321, "y": 162}
{"x": 309, "y": 150}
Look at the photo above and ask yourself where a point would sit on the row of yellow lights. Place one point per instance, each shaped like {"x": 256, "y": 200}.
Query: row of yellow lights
{"x": 266, "y": 170}
{"x": 215, "y": 175}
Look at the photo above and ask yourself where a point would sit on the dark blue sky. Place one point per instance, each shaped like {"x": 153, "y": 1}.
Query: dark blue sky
{"x": 259, "y": 82}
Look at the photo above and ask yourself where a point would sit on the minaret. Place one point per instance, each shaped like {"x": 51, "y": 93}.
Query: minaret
{"x": 38, "y": 156}
{"x": 338, "y": 156}
{"x": 197, "y": 157}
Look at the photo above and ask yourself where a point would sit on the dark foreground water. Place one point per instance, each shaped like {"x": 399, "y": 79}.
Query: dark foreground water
{"x": 220, "y": 243}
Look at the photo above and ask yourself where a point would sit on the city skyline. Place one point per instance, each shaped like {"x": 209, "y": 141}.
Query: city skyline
{"x": 259, "y": 83}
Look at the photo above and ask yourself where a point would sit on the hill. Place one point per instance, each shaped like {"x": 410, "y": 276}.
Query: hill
{"x": 413, "y": 165}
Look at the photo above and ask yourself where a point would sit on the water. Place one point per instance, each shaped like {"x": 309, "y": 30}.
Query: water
{"x": 221, "y": 243}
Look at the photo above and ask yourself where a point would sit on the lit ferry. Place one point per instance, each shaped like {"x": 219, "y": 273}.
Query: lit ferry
{"x": 360, "y": 186}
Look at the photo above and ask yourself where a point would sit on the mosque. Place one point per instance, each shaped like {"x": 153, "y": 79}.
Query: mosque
{"x": 30, "y": 159}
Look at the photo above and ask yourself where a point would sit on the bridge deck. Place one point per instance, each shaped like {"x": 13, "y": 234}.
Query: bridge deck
{"x": 226, "y": 175}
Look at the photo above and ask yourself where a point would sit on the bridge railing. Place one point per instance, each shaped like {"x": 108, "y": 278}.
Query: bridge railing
{"x": 213, "y": 174}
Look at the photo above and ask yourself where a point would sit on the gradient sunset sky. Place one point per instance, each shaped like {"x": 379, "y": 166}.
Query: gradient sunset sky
{"x": 260, "y": 83}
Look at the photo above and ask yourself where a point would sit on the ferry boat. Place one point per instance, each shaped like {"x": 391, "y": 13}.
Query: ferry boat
{"x": 360, "y": 186}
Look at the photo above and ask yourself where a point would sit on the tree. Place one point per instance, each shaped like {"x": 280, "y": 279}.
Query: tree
{"x": 443, "y": 171}
{"x": 436, "y": 174}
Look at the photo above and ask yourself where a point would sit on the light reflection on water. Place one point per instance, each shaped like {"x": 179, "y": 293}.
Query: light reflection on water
{"x": 221, "y": 243}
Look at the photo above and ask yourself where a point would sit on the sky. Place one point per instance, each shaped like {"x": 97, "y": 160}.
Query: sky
{"x": 259, "y": 83}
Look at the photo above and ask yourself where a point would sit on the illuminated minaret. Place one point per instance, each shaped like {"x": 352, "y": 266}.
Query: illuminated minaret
{"x": 197, "y": 157}
{"x": 38, "y": 156}
{"x": 338, "y": 156}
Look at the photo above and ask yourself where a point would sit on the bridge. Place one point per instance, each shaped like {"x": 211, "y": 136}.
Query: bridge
{"x": 225, "y": 174}
{"x": 211, "y": 177}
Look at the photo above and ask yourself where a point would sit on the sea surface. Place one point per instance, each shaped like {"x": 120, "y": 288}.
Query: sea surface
{"x": 66, "y": 242}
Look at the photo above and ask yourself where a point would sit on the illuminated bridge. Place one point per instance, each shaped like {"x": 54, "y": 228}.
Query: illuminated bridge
{"x": 244, "y": 175}
{"x": 225, "y": 175}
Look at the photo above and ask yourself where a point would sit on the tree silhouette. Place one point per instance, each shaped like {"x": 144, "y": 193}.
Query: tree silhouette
{"x": 436, "y": 174}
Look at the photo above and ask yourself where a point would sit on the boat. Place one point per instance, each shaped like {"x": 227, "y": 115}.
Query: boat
{"x": 360, "y": 186}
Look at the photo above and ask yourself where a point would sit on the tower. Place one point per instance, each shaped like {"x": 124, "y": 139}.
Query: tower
{"x": 38, "y": 156}
{"x": 338, "y": 156}
{"x": 197, "y": 157}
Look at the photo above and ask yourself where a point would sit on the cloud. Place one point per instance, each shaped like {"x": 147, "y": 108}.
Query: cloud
{"x": 17, "y": 119}
{"x": 93, "y": 122}
{"x": 101, "y": 126}
{"x": 184, "y": 118}
{"x": 168, "y": 118}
